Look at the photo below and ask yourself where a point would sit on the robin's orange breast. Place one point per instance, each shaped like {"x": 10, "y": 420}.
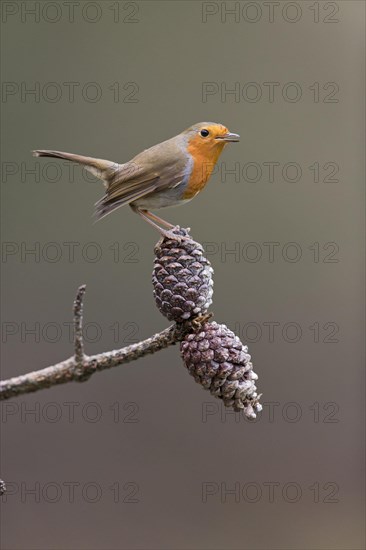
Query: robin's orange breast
{"x": 203, "y": 164}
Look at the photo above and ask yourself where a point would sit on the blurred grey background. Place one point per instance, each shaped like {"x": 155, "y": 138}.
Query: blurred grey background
{"x": 140, "y": 457}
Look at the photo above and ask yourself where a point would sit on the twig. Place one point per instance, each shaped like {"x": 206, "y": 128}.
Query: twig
{"x": 78, "y": 325}
{"x": 80, "y": 367}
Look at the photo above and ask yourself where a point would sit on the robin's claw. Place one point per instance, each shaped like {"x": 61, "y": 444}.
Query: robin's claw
{"x": 169, "y": 234}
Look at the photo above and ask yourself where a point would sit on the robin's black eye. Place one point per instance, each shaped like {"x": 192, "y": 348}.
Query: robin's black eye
{"x": 204, "y": 133}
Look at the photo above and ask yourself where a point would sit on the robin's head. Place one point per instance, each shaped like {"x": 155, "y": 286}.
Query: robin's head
{"x": 209, "y": 136}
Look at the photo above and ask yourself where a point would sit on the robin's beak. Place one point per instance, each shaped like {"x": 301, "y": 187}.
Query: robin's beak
{"x": 229, "y": 137}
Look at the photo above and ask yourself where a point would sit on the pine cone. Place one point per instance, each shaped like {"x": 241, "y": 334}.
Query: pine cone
{"x": 2, "y": 487}
{"x": 182, "y": 278}
{"x": 220, "y": 363}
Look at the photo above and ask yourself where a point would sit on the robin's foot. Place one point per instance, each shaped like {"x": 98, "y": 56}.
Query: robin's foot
{"x": 171, "y": 234}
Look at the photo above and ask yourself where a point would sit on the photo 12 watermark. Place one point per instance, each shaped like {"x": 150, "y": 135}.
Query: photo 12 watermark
{"x": 70, "y": 11}
{"x": 69, "y": 412}
{"x": 234, "y": 12}
{"x": 69, "y": 252}
{"x": 291, "y": 252}
{"x": 289, "y": 332}
{"x": 72, "y": 492}
{"x": 253, "y": 492}
{"x": 273, "y": 172}
{"x": 270, "y": 92}
{"x": 69, "y": 92}
{"x": 274, "y": 412}
{"x": 53, "y": 332}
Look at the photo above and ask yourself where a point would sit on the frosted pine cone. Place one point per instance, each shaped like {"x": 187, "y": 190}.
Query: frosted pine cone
{"x": 221, "y": 364}
{"x": 182, "y": 278}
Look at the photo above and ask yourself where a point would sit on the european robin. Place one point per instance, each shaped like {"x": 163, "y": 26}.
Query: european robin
{"x": 168, "y": 174}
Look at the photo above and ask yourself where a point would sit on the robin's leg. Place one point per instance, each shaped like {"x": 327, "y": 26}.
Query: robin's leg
{"x": 152, "y": 219}
{"x": 156, "y": 218}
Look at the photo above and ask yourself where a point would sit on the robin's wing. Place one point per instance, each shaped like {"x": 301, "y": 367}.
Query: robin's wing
{"x": 124, "y": 193}
{"x": 141, "y": 176}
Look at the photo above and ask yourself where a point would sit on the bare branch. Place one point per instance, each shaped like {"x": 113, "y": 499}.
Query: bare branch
{"x": 78, "y": 324}
{"x": 80, "y": 367}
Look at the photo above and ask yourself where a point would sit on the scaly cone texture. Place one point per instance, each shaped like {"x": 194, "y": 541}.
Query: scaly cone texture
{"x": 182, "y": 278}
{"x": 217, "y": 360}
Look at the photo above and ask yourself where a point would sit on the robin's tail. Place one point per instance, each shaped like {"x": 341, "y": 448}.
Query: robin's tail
{"x": 102, "y": 169}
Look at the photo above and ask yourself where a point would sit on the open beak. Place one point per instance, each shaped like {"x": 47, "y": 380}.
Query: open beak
{"x": 229, "y": 137}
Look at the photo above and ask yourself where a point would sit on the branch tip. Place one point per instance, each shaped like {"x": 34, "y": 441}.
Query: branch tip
{"x": 78, "y": 325}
